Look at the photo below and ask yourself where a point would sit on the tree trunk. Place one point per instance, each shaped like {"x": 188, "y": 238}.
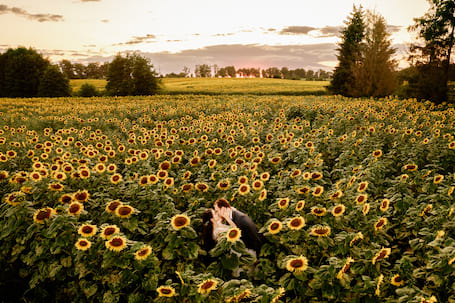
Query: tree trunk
{"x": 447, "y": 64}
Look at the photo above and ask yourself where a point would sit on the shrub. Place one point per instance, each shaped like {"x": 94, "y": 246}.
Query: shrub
{"x": 88, "y": 90}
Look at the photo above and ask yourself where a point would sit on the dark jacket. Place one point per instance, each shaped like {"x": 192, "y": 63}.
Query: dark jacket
{"x": 250, "y": 235}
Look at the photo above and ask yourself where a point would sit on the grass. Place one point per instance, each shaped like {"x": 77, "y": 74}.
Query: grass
{"x": 218, "y": 86}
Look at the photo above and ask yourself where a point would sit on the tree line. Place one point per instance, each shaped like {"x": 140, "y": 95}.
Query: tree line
{"x": 366, "y": 67}
{"x": 207, "y": 71}
{"x": 93, "y": 70}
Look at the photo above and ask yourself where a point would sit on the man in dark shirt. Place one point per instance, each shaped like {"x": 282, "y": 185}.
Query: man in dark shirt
{"x": 250, "y": 235}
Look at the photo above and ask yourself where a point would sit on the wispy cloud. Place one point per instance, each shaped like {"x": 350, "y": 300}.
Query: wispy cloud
{"x": 4, "y": 9}
{"x": 297, "y": 30}
{"x": 149, "y": 38}
{"x": 105, "y": 20}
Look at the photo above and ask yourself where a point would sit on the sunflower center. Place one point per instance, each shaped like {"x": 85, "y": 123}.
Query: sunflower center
{"x": 109, "y": 231}
{"x": 117, "y": 242}
{"x": 207, "y": 285}
{"x": 44, "y": 214}
{"x": 321, "y": 231}
{"x": 113, "y": 205}
{"x": 180, "y": 221}
{"x": 338, "y": 210}
{"x": 87, "y": 229}
{"x": 83, "y": 243}
{"x": 295, "y": 222}
{"x": 296, "y": 263}
{"x": 143, "y": 252}
{"x": 74, "y": 208}
{"x": 380, "y": 223}
{"x": 165, "y": 291}
{"x": 124, "y": 210}
{"x": 232, "y": 234}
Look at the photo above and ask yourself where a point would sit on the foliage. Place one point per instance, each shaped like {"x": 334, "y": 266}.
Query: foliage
{"x": 432, "y": 57}
{"x": 354, "y": 197}
{"x": 131, "y": 75}
{"x": 20, "y": 72}
{"x": 375, "y": 74}
{"x": 349, "y": 52}
{"x": 53, "y": 83}
{"x": 202, "y": 70}
{"x": 88, "y": 90}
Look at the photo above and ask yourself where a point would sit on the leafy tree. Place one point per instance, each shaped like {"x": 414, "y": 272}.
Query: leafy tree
{"x": 53, "y": 83}
{"x": 349, "y": 52}
{"x": 131, "y": 75}
{"x": 436, "y": 30}
{"x": 374, "y": 75}
{"x": 80, "y": 71}
{"x": 67, "y": 68}
{"x": 230, "y": 70}
{"x": 21, "y": 71}
{"x": 203, "y": 70}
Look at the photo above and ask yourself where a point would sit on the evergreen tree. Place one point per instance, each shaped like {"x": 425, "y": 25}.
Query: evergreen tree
{"x": 53, "y": 83}
{"x": 349, "y": 53}
{"x": 374, "y": 75}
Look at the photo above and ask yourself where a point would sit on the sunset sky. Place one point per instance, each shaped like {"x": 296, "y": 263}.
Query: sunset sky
{"x": 174, "y": 34}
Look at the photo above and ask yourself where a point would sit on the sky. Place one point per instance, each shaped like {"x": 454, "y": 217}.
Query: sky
{"x": 174, "y": 34}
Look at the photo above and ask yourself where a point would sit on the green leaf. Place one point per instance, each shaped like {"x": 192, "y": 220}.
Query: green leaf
{"x": 230, "y": 261}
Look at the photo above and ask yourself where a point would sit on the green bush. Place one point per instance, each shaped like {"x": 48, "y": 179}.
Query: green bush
{"x": 88, "y": 90}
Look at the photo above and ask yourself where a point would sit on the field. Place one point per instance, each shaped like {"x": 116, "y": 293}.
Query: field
{"x": 216, "y": 86}
{"x": 102, "y": 198}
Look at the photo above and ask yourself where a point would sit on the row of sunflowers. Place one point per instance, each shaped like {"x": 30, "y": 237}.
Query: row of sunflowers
{"x": 102, "y": 199}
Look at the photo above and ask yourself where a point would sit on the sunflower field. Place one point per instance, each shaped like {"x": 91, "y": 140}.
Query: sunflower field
{"x": 102, "y": 199}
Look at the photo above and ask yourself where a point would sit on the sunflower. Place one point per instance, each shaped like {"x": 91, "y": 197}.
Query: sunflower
{"x": 362, "y": 186}
{"x": 258, "y": 184}
{"x": 426, "y": 210}
{"x": 212, "y": 163}
{"x": 316, "y": 176}
{"x": 15, "y": 198}
{"x": 264, "y": 176}
{"x": 75, "y": 208}
{"x": 320, "y": 231}
{"x": 152, "y": 179}
{"x": 377, "y": 153}
{"x": 244, "y": 189}
{"x": 317, "y": 191}
{"x": 84, "y": 172}
{"x": 180, "y": 221}
{"x": 275, "y": 160}
{"x": 112, "y": 206}
{"x": 143, "y": 180}
{"x": 336, "y": 195}
{"x": 338, "y": 210}
{"x": 186, "y": 188}
{"x": 318, "y": 211}
{"x": 452, "y": 145}
{"x": 366, "y": 209}
{"x": 100, "y": 168}
{"x": 262, "y": 195}
{"x": 378, "y": 286}
{"x": 382, "y": 254}
{"x": 43, "y": 214}
{"x": 274, "y": 227}
{"x": 438, "y": 179}
{"x": 300, "y": 205}
{"x": 55, "y": 186}
{"x": 411, "y": 167}
{"x": 166, "y": 291}
{"x": 233, "y": 234}
{"x": 3, "y": 175}
{"x": 297, "y": 264}
{"x": 396, "y": 280}
{"x": 116, "y": 178}
{"x": 124, "y": 211}
{"x": 162, "y": 174}
{"x": 165, "y": 165}
{"x": 345, "y": 268}
{"x": 296, "y": 173}
{"x": 380, "y": 224}
{"x": 296, "y": 223}
{"x": 108, "y": 231}
{"x": 202, "y": 187}
{"x": 81, "y": 196}
{"x": 111, "y": 168}
{"x": 116, "y": 243}
{"x": 35, "y": 176}
{"x": 143, "y": 253}
{"x": 358, "y": 237}
{"x": 83, "y": 244}
{"x": 207, "y": 286}
{"x": 361, "y": 198}
{"x": 384, "y": 205}
{"x": 87, "y": 230}
{"x": 169, "y": 182}
{"x": 283, "y": 203}
{"x": 242, "y": 180}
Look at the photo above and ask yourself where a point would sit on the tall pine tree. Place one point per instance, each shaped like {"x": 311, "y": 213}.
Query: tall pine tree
{"x": 349, "y": 53}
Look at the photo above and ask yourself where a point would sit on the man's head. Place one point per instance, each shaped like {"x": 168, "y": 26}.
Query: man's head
{"x": 220, "y": 203}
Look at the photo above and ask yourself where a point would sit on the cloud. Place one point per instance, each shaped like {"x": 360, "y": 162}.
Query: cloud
{"x": 296, "y": 30}
{"x": 394, "y": 28}
{"x": 4, "y": 9}
{"x": 253, "y": 55}
{"x": 105, "y": 20}
{"x": 90, "y": 0}
{"x": 149, "y": 38}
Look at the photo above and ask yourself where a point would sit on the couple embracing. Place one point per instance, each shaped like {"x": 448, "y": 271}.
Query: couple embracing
{"x": 221, "y": 218}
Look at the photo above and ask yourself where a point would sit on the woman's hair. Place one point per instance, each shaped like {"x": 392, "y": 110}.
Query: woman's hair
{"x": 207, "y": 230}
{"x": 222, "y": 203}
